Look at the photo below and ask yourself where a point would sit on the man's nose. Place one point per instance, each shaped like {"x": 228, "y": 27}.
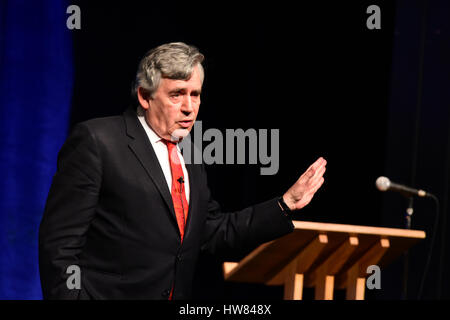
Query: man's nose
{"x": 186, "y": 106}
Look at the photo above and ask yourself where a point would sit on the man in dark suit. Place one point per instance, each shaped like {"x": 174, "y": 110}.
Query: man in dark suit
{"x": 126, "y": 209}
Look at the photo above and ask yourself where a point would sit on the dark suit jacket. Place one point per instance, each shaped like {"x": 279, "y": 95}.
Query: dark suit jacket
{"x": 110, "y": 212}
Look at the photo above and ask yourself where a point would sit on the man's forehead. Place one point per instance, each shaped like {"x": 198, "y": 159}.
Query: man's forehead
{"x": 181, "y": 84}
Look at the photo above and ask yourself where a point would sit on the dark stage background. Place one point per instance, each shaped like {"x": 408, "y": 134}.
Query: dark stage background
{"x": 372, "y": 102}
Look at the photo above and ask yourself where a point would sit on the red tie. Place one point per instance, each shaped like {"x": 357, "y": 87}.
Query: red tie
{"x": 178, "y": 194}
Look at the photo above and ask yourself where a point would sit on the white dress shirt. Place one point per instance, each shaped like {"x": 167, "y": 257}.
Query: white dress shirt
{"x": 163, "y": 155}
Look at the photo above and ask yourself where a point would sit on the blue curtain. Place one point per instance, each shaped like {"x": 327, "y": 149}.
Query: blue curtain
{"x": 36, "y": 78}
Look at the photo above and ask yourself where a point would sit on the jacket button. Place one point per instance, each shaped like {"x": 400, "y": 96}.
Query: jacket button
{"x": 179, "y": 257}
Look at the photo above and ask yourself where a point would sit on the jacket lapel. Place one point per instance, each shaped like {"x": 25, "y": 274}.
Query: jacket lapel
{"x": 143, "y": 150}
{"x": 192, "y": 196}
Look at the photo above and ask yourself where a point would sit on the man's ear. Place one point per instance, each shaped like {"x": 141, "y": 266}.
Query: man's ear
{"x": 144, "y": 97}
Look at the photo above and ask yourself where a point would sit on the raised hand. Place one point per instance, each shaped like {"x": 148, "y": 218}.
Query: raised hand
{"x": 303, "y": 190}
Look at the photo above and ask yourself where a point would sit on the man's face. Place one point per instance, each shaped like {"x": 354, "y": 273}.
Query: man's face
{"x": 174, "y": 107}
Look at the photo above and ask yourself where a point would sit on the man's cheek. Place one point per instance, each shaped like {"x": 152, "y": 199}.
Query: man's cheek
{"x": 175, "y": 107}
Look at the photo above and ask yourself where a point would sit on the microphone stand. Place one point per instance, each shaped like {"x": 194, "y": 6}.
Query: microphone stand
{"x": 408, "y": 216}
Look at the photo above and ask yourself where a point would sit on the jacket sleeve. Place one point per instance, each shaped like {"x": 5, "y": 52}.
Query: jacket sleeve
{"x": 70, "y": 208}
{"x": 229, "y": 233}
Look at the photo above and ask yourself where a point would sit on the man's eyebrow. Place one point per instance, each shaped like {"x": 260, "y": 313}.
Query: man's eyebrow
{"x": 180, "y": 89}
{"x": 177, "y": 90}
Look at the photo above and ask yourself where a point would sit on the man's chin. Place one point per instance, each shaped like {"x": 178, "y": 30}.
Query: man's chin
{"x": 178, "y": 134}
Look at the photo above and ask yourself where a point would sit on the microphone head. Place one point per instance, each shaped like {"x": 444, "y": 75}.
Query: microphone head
{"x": 383, "y": 183}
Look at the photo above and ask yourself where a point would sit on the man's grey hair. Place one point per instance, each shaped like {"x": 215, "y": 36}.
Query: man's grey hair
{"x": 175, "y": 60}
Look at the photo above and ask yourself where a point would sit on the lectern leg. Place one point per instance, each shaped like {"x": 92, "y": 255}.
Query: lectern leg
{"x": 356, "y": 288}
{"x": 293, "y": 287}
{"x": 324, "y": 287}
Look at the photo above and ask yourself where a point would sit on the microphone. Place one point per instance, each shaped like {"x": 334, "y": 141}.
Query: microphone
{"x": 384, "y": 184}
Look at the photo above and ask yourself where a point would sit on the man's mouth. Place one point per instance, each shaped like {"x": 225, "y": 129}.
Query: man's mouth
{"x": 185, "y": 123}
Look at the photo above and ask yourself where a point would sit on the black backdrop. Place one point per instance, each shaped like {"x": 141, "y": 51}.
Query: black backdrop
{"x": 312, "y": 70}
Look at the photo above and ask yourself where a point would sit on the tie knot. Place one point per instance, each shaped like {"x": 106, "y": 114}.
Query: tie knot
{"x": 170, "y": 144}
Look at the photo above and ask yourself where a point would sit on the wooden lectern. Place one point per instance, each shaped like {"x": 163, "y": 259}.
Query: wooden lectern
{"x": 324, "y": 256}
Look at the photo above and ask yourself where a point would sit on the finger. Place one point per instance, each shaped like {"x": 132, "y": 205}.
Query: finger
{"x": 317, "y": 185}
{"x": 319, "y": 174}
{"x": 309, "y": 173}
{"x": 316, "y": 164}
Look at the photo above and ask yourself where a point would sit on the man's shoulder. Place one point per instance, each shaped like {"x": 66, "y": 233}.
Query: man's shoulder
{"x": 107, "y": 131}
{"x": 102, "y": 122}
{"x": 103, "y": 125}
